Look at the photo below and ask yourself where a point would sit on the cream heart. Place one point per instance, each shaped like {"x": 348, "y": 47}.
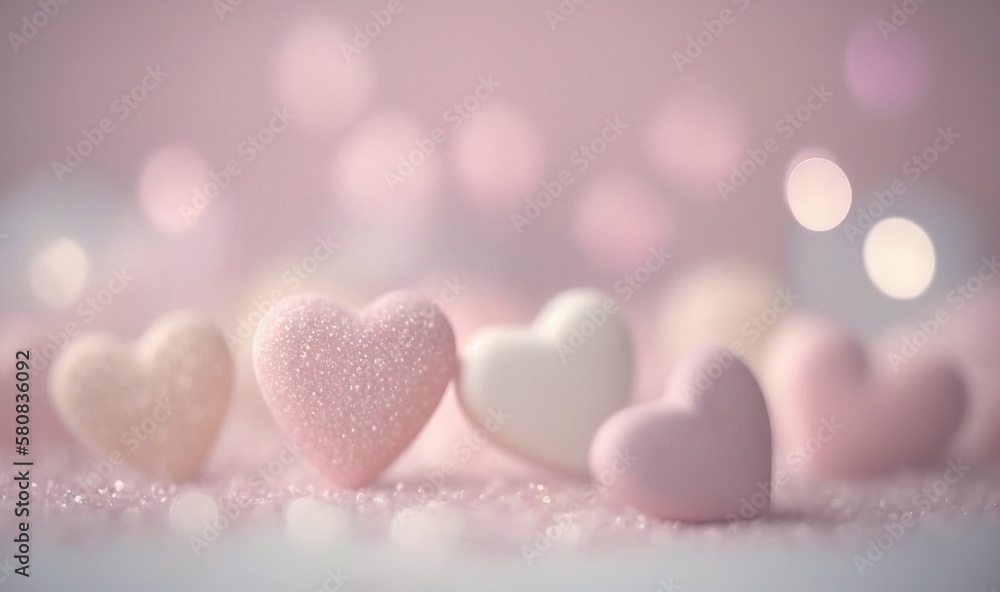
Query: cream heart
{"x": 158, "y": 404}
{"x": 543, "y": 392}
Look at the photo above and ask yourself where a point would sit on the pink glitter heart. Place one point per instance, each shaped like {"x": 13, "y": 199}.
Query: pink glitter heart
{"x": 351, "y": 390}
{"x": 702, "y": 454}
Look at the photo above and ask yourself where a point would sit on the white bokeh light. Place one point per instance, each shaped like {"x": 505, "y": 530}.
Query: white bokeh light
{"x": 818, "y": 193}
{"x": 191, "y": 511}
{"x": 58, "y": 272}
{"x": 899, "y": 258}
{"x": 311, "y": 523}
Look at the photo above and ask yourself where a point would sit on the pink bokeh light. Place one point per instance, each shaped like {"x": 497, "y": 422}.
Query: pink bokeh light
{"x": 887, "y": 76}
{"x": 321, "y": 84}
{"x": 380, "y": 167}
{"x": 694, "y": 138}
{"x": 613, "y": 204}
{"x": 498, "y": 157}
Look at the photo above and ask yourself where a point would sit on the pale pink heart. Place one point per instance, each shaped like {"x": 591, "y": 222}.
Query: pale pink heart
{"x": 965, "y": 327}
{"x": 978, "y": 441}
{"x": 156, "y": 405}
{"x": 352, "y": 390}
{"x": 844, "y": 413}
{"x": 697, "y": 458}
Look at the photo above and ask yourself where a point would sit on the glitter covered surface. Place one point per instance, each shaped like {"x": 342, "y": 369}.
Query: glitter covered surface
{"x": 353, "y": 391}
{"x": 511, "y": 527}
{"x": 502, "y": 514}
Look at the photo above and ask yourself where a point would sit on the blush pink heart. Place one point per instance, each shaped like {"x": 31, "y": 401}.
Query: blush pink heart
{"x": 971, "y": 337}
{"x": 841, "y": 412}
{"x": 352, "y": 390}
{"x": 703, "y": 453}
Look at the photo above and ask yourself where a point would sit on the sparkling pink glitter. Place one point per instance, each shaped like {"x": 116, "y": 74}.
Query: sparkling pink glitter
{"x": 501, "y": 514}
{"x": 353, "y": 391}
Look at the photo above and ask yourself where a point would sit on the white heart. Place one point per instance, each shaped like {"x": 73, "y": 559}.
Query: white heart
{"x": 542, "y": 392}
{"x": 156, "y": 405}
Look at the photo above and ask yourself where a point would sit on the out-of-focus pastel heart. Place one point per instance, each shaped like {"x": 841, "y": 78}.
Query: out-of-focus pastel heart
{"x": 978, "y": 439}
{"x": 698, "y": 458}
{"x": 156, "y": 405}
{"x": 352, "y": 390}
{"x": 543, "y": 391}
{"x": 966, "y": 328}
{"x": 842, "y": 413}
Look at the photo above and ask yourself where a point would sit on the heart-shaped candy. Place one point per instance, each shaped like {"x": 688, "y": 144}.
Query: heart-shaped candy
{"x": 156, "y": 405}
{"x": 351, "y": 390}
{"x": 843, "y": 413}
{"x": 542, "y": 392}
{"x": 698, "y": 458}
{"x": 969, "y": 334}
